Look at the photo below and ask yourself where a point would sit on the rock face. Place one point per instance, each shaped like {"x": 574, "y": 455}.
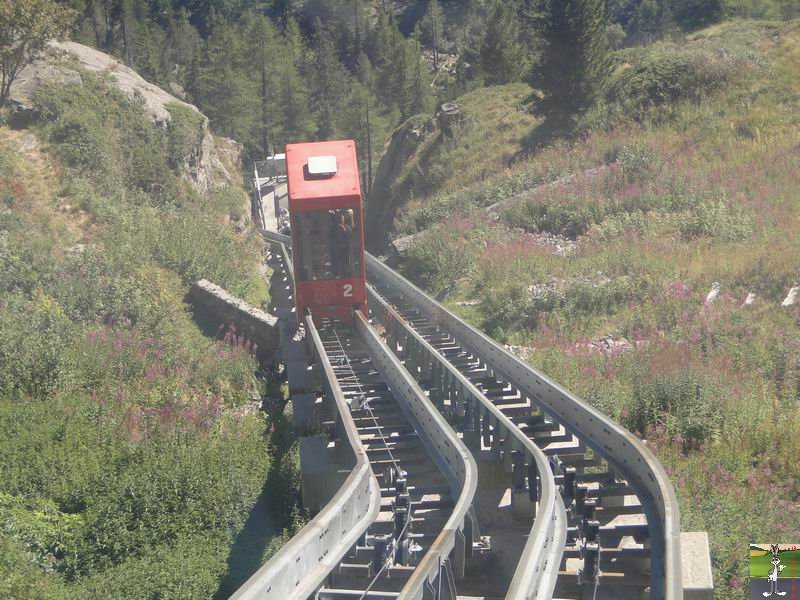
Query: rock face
{"x": 384, "y": 200}
{"x": 204, "y": 167}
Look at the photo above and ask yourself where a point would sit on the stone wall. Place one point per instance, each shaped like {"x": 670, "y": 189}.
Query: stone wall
{"x": 256, "y": 325}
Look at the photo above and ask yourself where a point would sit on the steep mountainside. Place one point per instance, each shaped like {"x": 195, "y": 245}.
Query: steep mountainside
{"x": 651, "y": 264}
{"x": 132, "y": 452}
{"x": 422, "y": 160}
{"x": 204, "y": 158}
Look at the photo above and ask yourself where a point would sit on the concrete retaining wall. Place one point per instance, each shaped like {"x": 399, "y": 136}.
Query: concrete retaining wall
{"x": 256, "y": 325}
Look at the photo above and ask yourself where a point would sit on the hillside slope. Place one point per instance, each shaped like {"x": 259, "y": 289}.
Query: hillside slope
{"x": 648, "y": 275}
{"x": 132, "y": 451}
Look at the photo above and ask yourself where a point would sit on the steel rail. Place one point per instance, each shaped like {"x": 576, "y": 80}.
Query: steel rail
{"x": 617, "y": 446}
{"x": 454, "y": 541}
{"x": 434, "y": 571}
{"x": 537, "y": 569}
{"x": 621, "y": 449}
{"x": 302, "y": 564}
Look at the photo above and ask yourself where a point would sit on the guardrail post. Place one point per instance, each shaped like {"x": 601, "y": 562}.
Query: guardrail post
{"x": 471, "y": 437}
{"x": 485, "y": 432}
{"x": 507, "y": 448}
{"x": 459, "y": 553}
{"x": 447, "y": 586}
{"x": 522, "y": 506}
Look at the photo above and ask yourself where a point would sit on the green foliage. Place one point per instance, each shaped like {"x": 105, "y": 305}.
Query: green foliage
{"x": 693, "y": 14}
{"x": 25, "y": 28}
{"x": 22, "y": 578}
{"x": 127, "y": 495}
{"x": 503, "y": 56}
{"x": 184, "y": 132}
{"x": 440, "y": 257}
{"x": 131, "y": 459}
{"x": 662, "y": 74}
{"x": 101, "y": 134}
{"x": 190, "y": 567}
{"x": 638, "y": 164}
{"x": 576, "y": 60}
{"x": 35, "y": 334}
{"x": 686, "y": 403}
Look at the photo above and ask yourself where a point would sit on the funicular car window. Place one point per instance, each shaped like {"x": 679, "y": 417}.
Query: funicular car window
{"x": 328, "y": 244}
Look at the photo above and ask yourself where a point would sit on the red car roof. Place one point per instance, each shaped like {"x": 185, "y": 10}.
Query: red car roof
{"x": 345, "y": 183}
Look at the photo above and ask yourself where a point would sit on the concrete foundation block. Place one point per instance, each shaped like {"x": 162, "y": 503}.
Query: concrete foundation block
{"x": 318, "y": 471}
{"x": 522, "y": 507}
{"x": 698, "y": 583}
{"x": 303, "y": 409}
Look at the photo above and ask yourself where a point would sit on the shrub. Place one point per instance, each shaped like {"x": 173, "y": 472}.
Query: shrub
{"x": 439, "y": 257}
{"x": 183, "y": 132}
{"x": 686, "y": 404}
{"x": 570, "y": 216}
{"x": 101, "y": 134}
{"x": 22, "y": 578}
{"x": 716, "y": 220}
{"x": 638, "y": 163}
{"x": 664, "y": 73}
{"x": 189, "y": 567}
{"x": 47, "y": 533}
{"x": 35, "y": 336}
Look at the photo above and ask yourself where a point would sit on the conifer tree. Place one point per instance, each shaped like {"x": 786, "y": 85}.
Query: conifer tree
{"x": 297, "y": 124}
{"x": 576, "y": 58}
{"x": 221, "y": 87}
{"x": 263, "y": 58}
{"x": 432, "y": 26}
{"x": 416, "y": 91}
{"x": 503, "y": 57}
{"x": 330, "y": 83}
{"x": 386, "y": 51}
{"x": 648, "y": 20}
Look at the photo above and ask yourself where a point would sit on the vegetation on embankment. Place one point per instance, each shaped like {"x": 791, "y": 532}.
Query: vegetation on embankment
{"x": 132, "y": 452}
{"x": 686, "y": 174}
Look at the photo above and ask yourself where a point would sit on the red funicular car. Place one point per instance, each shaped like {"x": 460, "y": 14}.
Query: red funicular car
{"x": 325, "y": 213}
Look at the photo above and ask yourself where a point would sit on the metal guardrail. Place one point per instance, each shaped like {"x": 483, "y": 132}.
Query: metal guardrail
{"x": 257, "y": 203}
{"x": 434, "y": 573}
{"x": 536, "y": 572}
{"x": 621, "y": 449}
{"x": 616, "y": 445}
{"x": 300, "y": 566}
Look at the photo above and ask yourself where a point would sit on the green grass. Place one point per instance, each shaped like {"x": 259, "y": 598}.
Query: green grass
{"x": 132, "y": 458}
{"x": 760, "y": 565}
{"x": 698, "y": 185}
{"x": 496, "y": 120}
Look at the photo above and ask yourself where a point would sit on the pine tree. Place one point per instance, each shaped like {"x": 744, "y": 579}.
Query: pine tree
{"x": 576, "y": 58}
{"x": 648, "y": 20}
{"x": 693, "y": 14}
{"x": 432, "y": 26}
{"x": 263, "y": 55}
{"x": 503, "y": 57}
{"x": 386, "y": 50}
{"x": 416, "y": 92}
{"x": 330, "y": 83}
{"x": 221, "y": 88}
{"x": 297, "y": 124}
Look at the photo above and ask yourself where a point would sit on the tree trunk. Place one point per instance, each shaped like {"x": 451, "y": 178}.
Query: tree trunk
{"x": 449, "y": 118}
{"x": 264, "y": 111}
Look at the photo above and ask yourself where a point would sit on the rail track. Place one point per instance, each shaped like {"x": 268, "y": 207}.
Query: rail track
{"x": 412, "y": 400}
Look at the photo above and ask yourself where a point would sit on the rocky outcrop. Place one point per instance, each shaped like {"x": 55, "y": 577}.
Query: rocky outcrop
{"x": 208, "y": 163}
{"x": 390, "y": 188}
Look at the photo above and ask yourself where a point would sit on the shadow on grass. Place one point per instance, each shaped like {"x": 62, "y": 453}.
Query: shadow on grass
{"x": 272, "y": 517}
{"x": 556, "y": 125}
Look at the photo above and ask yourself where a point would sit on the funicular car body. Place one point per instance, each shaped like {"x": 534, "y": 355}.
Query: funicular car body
{"x": 325, "y": 211}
